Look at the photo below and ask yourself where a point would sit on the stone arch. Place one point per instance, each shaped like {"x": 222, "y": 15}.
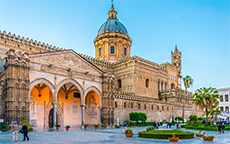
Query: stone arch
{"x": 74, "y": 82}
{"x": 43, "y": 81}
{"x": 93, "y": 88}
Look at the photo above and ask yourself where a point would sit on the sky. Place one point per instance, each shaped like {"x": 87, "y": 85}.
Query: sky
{"x": 200, "y": 28}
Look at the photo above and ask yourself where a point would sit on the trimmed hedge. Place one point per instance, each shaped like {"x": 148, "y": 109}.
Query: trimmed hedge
{"x": 165, "y": 134}
{"x": 209, "y": 128}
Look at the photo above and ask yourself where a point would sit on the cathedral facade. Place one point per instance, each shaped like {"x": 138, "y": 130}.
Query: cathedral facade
{"x": 49, "y": 85}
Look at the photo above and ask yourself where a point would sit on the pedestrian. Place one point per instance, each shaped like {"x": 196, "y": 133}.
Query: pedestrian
{"x": 154, "y": 124}
{"x": 219, "y": 128}
{"x": 14, "y": 127}
{"x": 223, "y": 127}
{"x": 164, "y": 125}
{"x": 124, "y": 125}
{"x": 170, "y": 125}
{"x": 25, "y": 132}
{"x": 157, "y": 126}
{"x": 177, "y": 125}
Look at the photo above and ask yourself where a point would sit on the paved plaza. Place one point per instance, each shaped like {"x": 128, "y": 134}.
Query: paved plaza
{"x": 110, "y": 135}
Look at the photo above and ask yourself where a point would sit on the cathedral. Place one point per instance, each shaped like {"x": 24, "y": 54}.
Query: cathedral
{"x": 49, "y": 85}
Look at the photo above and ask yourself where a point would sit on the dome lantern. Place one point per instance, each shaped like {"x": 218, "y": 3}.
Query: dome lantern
{"x": 112, "y": 14}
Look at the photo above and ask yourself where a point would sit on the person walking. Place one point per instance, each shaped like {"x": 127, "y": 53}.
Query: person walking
{"x": 170, "y": 125}
{"x": 223, "y": 127}
{"x": 124, "y": 125}
{"x": 219, "y": 128}
{"x": 177, "y": 125}
{"x": 14, "y": 126}
{"x": 154, "y": 124}
{"x": 157, "y": 126}
{"x": 164, "y": 125}
{"x": 25, "y": 132}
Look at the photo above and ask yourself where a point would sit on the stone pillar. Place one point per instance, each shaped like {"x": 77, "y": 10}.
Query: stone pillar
{"x": 99, "y": 108}
{"x": 55, "y": 113}
{"x": 83, "y": 115}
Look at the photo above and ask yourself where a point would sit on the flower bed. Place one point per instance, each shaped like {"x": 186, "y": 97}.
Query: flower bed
{"x": 165, "y": 134}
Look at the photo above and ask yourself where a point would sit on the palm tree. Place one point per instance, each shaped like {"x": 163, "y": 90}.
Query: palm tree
{"x": 206, "y": 98}
{"x": 188, "y": 81}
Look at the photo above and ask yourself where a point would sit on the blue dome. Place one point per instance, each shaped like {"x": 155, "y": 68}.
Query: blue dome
{"x": 112, "y": 25}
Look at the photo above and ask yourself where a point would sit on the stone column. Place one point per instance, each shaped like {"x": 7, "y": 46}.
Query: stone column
{"x": 55, "y": 113}
{"x": 83, "y": 115}
{"x": 99, "y": 108}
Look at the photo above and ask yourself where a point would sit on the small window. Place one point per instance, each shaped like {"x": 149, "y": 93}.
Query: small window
{"x": 124, "y": 51}
{"x": 125, "y": 105}
{"x": 112, "y": 51}
{"x": 131, "y": 105}
{"x": 99, "y": 51}
{"x": 147, "y": 82}
{"x": 119, "y": 83}
{"x": 167, "y": 108}
{"x": 222, "y": 108}
{"x": 112, "y": 15}
{"x": 226, "y": 98}
{"x": 115, "y": 104}
{"x": 174, "y": 57}
{"x": 145, "y": 106}
{"x": 76, "y": 95}
{"x": 162, "y": 108}
{"x": 166, "y": 99}
{"x": 139, "y": 106}
{"x": 152, "y": 107}
{"x": 221, "y": 98}
{"x": 157, "y": 107}
{"x": 172, "y": 86}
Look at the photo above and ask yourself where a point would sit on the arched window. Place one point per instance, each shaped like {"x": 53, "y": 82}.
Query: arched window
{"x": 165, "y": 85}
{"x": 147, "y": 82}
{"x": 139, "y": 106}
{"x": 131, "y": 105}
{"x": 99, "y": 51}
{"x": 124, "y": 51}
{"x": 172, "y": 86}
{"x": 166, "y": 99}
{"x": 152, "y": 107}
{"x": 125, "y": 105}
{"x": 157, "y": 107}
{"x": 119, "y": 83}
{"x": 115, "y": 104}
{"x": 112, "y": 50}
{"x": 145, "y": 106}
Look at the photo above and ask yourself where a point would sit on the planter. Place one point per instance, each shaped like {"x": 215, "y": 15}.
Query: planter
{"x": 117, "y": 127}
{"x": 67, "y": 129}
{"x": 207, "y": 139}
{"x": 96, "y": 128}
{"x": 57, "y": 128}
{"x": 173, "y": 139}
{"x": 129, "y": 135}
{"x": 4, "y": 130}
{"x": 105, "y": 127}
{"x": 85, "y": 127}
{"x": 30, "y": 130}
{"x": 200, "y": 135}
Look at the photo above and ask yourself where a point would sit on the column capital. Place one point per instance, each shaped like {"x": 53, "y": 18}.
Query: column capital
{"x": 83, "y": 106}
{"x": 55, "y": 104}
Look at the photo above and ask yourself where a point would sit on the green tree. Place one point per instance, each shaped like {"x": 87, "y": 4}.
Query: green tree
{"x": 142, "y": 117}
{"x": 206, "y": 98}
{"x": 179, "y": 118}
{"x": 200, "y": 118}
{"x": 188, "y": 81}
{"x": 193, "y": 118}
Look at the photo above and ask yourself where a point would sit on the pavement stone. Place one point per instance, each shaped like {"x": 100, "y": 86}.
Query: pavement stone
{"x": 109, "y": 135}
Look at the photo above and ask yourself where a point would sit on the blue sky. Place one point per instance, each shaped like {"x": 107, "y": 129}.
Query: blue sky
{"x": 201, "y": 30}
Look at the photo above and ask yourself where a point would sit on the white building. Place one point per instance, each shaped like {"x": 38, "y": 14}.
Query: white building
{"x": 224, "y": 103}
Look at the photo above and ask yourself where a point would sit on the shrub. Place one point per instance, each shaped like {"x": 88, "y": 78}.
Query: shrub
{"x": 179, "y": 118}
{"x": 57, "y": 125}
{"x": 96, "y": 125}
{"x": 117, "y": 126}
{"x": 149, "y": 128}
{"x": 30, "y": 128}
{"x": 209, "y": 137}
{"x": 165, "y": 134}
{"x": 200, "y": 118}
{"x": 67, "y": 126}
{"x": 5, "y": 127}
{"x": 85, "y": 125}
{"x": 128, "y": 131}
{"x": 193, "y": 118}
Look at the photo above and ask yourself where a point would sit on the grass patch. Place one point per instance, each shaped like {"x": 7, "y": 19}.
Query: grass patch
{"x": 165, "y": 134}
{"x": 202, "y": 127}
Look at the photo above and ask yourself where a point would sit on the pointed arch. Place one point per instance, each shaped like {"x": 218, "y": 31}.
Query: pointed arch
{"x": 95, "y": 89}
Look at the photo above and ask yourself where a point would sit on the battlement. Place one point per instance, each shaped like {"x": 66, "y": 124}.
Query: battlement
{"x": 111, "y": 65}
{"x": 26, "y": 44}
